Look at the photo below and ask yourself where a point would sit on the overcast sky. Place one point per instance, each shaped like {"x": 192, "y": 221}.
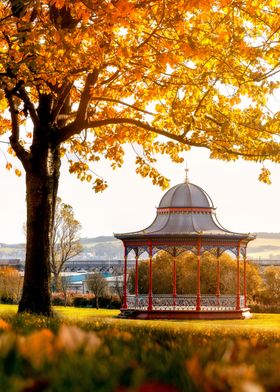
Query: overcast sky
{"x": 243, "y": 203}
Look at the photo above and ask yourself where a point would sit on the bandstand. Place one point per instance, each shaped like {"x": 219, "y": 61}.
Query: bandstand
{"x": 185, "y": 221}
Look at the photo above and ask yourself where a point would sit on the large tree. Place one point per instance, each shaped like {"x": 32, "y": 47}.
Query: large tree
{"x": 82, "y": 78}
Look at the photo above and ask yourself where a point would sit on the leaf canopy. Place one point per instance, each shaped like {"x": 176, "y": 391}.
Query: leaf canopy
{"x": 104, "y": 73}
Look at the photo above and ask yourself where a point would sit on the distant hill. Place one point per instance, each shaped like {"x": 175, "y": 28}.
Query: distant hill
{"x": 266, "y": 246}
{"x": 268, "y": 235}
{"x": 15, "y": 246}
{"x": 95, "y": 240}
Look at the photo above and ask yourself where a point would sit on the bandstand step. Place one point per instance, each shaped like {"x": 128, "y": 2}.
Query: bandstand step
{"x": 185, "y": 314}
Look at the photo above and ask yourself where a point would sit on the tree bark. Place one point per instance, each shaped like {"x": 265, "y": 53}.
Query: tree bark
{"x": 42, "y": 175}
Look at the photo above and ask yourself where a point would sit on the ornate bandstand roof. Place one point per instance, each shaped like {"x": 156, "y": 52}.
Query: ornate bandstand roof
{"x": 185, "y": 212}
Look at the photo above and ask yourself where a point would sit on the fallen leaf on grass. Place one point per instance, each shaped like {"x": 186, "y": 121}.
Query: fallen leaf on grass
{"x": 4, "y": 325}
{"x": 71, "y": 338}
{"x": 38, "y": 347}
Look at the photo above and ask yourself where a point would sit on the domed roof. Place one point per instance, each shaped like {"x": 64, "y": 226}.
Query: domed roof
{"x": 186, "y": 195}
{"x": 185, "y": 211}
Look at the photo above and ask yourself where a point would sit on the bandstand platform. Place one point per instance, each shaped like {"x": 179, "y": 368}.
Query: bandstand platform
{"x": 185, "y": 222}
{"x": 184, "y": 307}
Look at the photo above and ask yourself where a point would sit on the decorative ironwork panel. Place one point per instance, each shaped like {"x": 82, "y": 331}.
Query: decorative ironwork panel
{"x": 184, "y": 302}
{"x": 206, "y": 248}
{"x": 175, "y": 250}
{"x": 137, "y": 302}
{"x": 162, "y": 301}
{"x": 243, "y": 249}
{"x": 185, "y": 248}
{"x": 166, "y": 248}
{"x": 138, "y": 250}
{"x": 233, "y": 249}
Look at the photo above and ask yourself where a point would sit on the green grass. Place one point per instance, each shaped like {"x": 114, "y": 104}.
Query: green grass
{"x": 259, "y": 323}
{"x": 134, "y": 355}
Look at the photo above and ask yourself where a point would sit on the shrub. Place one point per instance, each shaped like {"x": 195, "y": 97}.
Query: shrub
{"x": 63, "y": 299}
{"x": 58, "y": 299}
{"x": 109, "y": 302}
{"x": 10, "y": 285}
{"x": 83, "y": 300}
{"x": 260, "y": 308}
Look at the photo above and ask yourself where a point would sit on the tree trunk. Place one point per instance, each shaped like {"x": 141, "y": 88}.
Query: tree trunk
{"x": 42, "y": 177}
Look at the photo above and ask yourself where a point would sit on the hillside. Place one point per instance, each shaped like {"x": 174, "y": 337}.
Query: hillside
{"x": 266, "y": 246}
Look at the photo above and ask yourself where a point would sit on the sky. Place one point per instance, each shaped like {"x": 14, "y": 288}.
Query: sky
{"x": 243, "y": 203}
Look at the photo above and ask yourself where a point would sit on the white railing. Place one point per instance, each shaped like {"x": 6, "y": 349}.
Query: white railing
{"x": 184, "y": 302}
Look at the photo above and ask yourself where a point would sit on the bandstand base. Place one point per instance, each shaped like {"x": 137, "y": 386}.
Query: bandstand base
{"x": 185, "y": 314}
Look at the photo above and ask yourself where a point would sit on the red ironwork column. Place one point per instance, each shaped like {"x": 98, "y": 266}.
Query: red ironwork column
{"x": 150, "y": 296}
{"x": 124, "y": 279}
{"x": 218, "y": 277}
{"x": 238, "y": 279}
{"x": 136, "y": 277}
{"x": 174, "y": 281}
{"x": 244, "y": 281}
{"x": 198, "y": 294}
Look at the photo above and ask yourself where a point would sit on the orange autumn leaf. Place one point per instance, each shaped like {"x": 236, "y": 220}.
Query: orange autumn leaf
{"x": 4, "y": 325}
{"x": 37, "y": 347}
{"x": 18, "y": 172}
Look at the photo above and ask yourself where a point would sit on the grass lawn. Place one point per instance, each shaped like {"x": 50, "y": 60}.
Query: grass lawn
{"x": 92, "y": 350}
{"x": 269, "y": 323}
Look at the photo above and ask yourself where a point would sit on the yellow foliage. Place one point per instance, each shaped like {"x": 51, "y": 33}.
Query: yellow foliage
{"x": 264, "y": 176}
{"x": 207, "y": 68}
{"x": 18, "y": 172}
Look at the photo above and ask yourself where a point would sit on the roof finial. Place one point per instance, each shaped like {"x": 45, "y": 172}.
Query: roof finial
{"x": 187, "y": 172}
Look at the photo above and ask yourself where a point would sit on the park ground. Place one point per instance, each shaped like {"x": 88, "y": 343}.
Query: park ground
{"x": 92, "y": 350}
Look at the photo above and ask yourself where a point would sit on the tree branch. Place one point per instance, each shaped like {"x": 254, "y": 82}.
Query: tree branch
{"x": 76, "y": 127}
{"x": 61, "y": 101}
{"x": 29, "y": 106}
{"x": 111, "y": 78}
{"x": 155, "y": 29}
{"x": 21, "y": 153}
{"x": 121, "y": 103}
{"x": 85, "y": 97}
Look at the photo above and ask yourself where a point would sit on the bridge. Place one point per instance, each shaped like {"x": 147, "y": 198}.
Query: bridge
{"x": 114, "y": 267}
{"x": 266, "y": 262}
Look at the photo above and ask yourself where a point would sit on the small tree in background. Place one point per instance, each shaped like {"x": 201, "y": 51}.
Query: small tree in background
{"x": 271, "y": 292}
{"x": 65, "y": 241}
{"x": 97, "y": 285}
{"x": 10, "y": 285}
{"x": 117, "y": 287}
